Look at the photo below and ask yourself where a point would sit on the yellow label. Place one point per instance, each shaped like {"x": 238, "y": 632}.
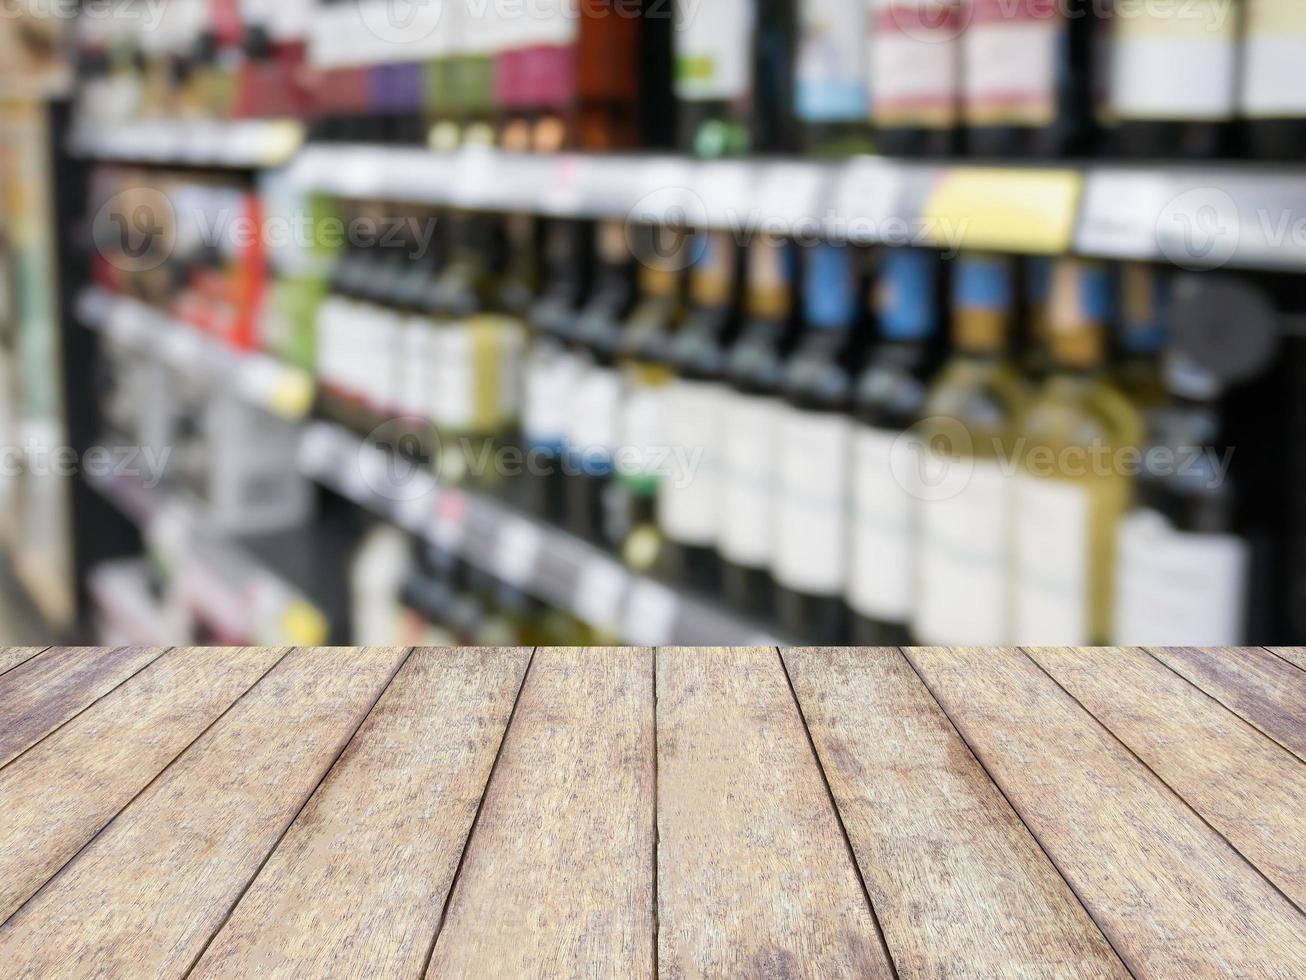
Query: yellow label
{"x": 292, "y": 396}
{"x": 1197, "y": 19}
{"x": 1031, "y": 211}
{"x": 303, "y": 625}
{"x": 1276, "y": 17}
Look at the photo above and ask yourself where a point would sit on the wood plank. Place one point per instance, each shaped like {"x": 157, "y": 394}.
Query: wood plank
{"x": 1174, "y": 898}
{"x": 1247, "y": 787}
{"x": 1253, "y": 683}
{"x": 357, "y": 886}
{"x": 147, "y": 894}
{"x": 1294, "y": 655}
{"x": 958, "y": 882}
{"x": 58, "y": 795}
{"x": 557, "y": 879}
{"x": 11, "y": 657}
{"x": 754, "y": 874}
{"x": 41, "y": 694}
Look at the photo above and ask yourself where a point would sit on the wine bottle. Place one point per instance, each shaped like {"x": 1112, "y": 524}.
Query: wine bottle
{"x": 1144, "y": 316}
{"x": 644, "y": 358}
{"x": 889, "y": 398}
{"x": 965, "y": 471}
{"x": 734, "y": 77}
{"x": 595, "y": 406}
{"x": 1074, "y": 484}
{"x": 690, "y": 495}
{"x": 1035, "y": 358}
{"x": 553, "y": 369}
{"x": 1182, "y": 574}
{"x": 915, "y": 62}
{"x": 1272, "y": 98}
{"x": 812, "y": 454}
{"x": 831, "y": 99}
{"x": 1026, "y": 88}
{"x": 754, "y": 368}
{"x": 1173, "y": 78}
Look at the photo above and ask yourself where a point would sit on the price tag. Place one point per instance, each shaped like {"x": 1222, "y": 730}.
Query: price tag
{"x": 278, "y": 140}
{"x": 304, "y": 625}
{"x": 866, "y": 197}
{"x": 1030, "y": 211}
{"x": 476, "y": 177}
{"x": 517, "y": 552}
{"x": 450, "y": 526}
{"x": 725, "y": 194}
{"x": 600, "y": 588}
{"x": 1120, "y": 213}
{"x": 790, "y": 197}
{"x": 283, "y": 390}
{"x": 650, "y": 614}
{"x": 560, "y": 186}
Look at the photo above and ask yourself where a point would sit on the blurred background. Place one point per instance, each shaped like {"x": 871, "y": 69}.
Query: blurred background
{"x": 653, "y": 321}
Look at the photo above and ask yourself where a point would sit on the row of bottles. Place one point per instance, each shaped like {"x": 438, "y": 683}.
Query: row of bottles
{"x": 995, "y": 78}
{"x": 789, "y": 430}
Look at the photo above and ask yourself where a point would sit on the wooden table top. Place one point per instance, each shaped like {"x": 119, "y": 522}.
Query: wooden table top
{"x": 630, "y": 812}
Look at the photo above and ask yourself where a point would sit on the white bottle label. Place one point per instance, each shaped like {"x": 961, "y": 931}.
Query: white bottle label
{"x": 831, "y": 69}
{"x": 1011, "y": 58}
{"x": 963, "y": 582}
{"x": 1273, "y": 54}
{"x": 812, "y": 506}
{"x": 643, "y": 441}
{"x": 915, "y": 68}
{"x": 749, "y": 444}
{"x": 1175, "y": 65}
{"x": 452, "y": 377}
{"x": 551, "y": 377}
{"x": 1050, "y": 564}
{"x": 713, "y": 49}
{"x": 595, "y": 407}
{"x": 882, "y": 568}
{"x": 689, "y": 494}
{"x": 1178, "y": 589}
{"x": 415, "y": 385}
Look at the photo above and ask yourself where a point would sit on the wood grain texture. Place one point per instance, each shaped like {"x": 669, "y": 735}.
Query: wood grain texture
{"x": 11, "y": 657}
{"x": 1174, "y": 898}
{"x": 1203, "y": 751}
{"x": 557, "y": 879}
{"x": 1294, "y": 655}
{"x": 58, "y": 795}
{"x": 357, "y": 886}
{"x": 39, "y": 695}
{"x": 959, "y": 883}
{"x": 754, "y": 874}
{"x": 144, "y": 897}
{"x": 1253, "y": 683}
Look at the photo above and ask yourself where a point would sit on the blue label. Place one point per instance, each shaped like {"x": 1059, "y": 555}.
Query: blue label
{"x": 830, "y": 300}
{"x": 1147, "y": 323}
{"x": 1097, "y": 292}
{"x": 982, "y": 282}
{"x": 832, "y": 102}
{"x": 908, "y": 286}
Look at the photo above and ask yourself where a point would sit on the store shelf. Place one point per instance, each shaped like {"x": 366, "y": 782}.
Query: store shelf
{"x": 258, "y": 379}
{"x": 541, "y": 560}
{"x": 240, "y": 144}
{"x": 1193, "y": 216}
{"x": 234, "y": 583}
